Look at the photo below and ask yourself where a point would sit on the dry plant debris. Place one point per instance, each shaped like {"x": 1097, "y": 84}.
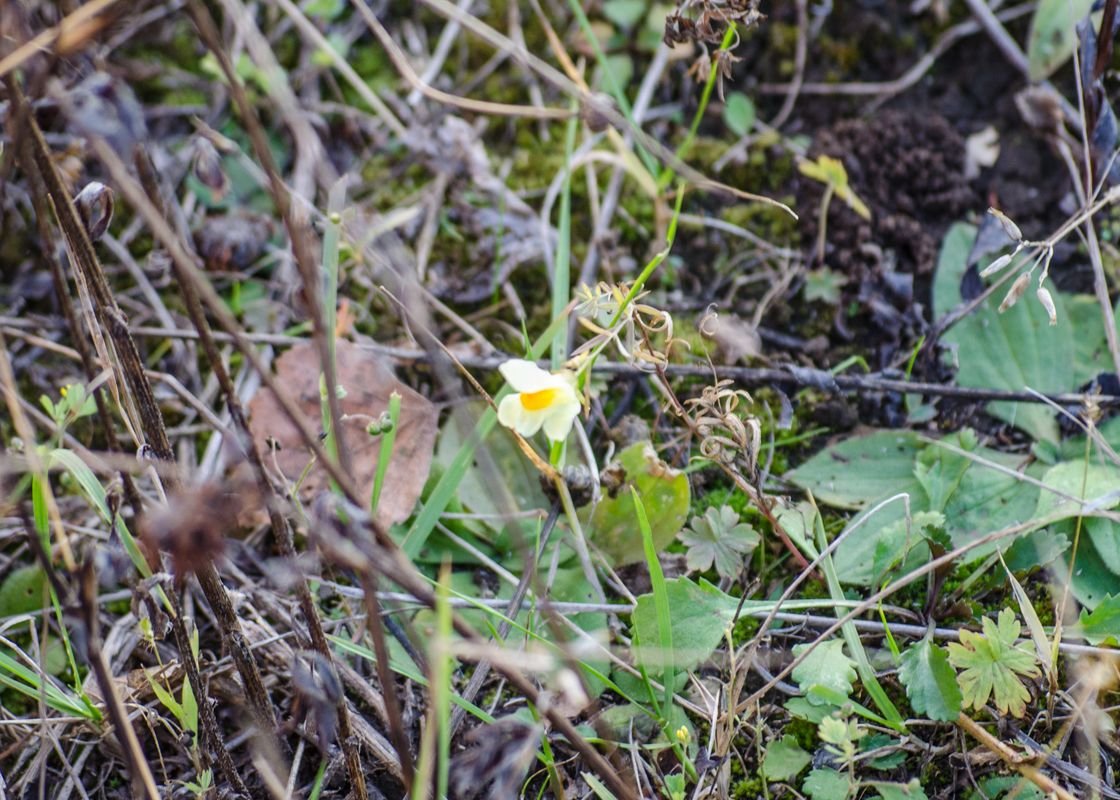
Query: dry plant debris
{"x": 837, "y": 520}
{"x": 367, "y": 381}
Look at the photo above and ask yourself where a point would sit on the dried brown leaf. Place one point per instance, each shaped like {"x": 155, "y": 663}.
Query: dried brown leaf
{"x": 368, "y": 381}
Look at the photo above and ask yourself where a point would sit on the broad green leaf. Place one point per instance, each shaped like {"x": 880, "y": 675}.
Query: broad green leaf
{"x": 22, "y": 591}
{"x": 827, "y": 784}
{"x": 784, "y": 759}
{"x": 1095, "y": 483}
{"x": 1091, "y": 581}
{"x": 738, "y": 113}
{"x": 700, "y": 615}
{"x": 888, "y": 761}
{"x": 988, "y": 499}
{"x": 991, "y": 664}
{"x": 1019, "y": 348}
{"x": 858, "y": 471}
{"x": 899, "y": 791}
{"x": 1053, "y": 35}
{"x": 625, "y": 13}
{"x": 827, "y": 666}
{"x": 1007, "y": 787}
{"x": 941, "y": 470}
{"x": 952, "y": 263}
{"x": 931, "y": 684}
{"x": 665, "y": 495}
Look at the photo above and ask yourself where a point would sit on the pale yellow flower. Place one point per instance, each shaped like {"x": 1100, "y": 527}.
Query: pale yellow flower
{"x": 540, "y": 400}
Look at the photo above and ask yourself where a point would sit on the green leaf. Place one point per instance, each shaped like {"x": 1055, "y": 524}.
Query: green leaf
{"x": 597, "y": 786}
{"x": 827, "y": 784}
{"x": 1008, "y": 787}
{"x": 165, "y": 697}
{"x": 625, "y": 13}
{"x": 861, "y": 470}
{"x": 700, "y": 613}
{"x": 22, "y": 591}
{"x": 784, "y": 759}
{"x": 803, "y": 708}
{"x": 904, "y": 543}
{"x": 719, "y": 537}
{"x": 1094, "y": 483}
{"x": 665, "y": 495}
{"x": 1102, "y": 625}
{"x": 738, "y": 113}
{"x": 899, "y": 791}
{"x": 931, "y": 684}
{"x": 827, "y": 666}
{"x": 1053, "y": 35}
{"x": 831, "y": 172}
{"x": 325, "y": 9}
{"x": 1018, "y": 348}
{"x": 824, "y": 285}
{"x": 991, "y": 664}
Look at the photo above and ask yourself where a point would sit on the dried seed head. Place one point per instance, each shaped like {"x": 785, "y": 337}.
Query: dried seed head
{"x": 95, "y": 206}
{"x": 1047, "y": 301}
{"x": 1005, "y": 221}
{"x": 208, "y": 168}
{"x": 1016, "y": 291}
{"x": 997, "y": 265}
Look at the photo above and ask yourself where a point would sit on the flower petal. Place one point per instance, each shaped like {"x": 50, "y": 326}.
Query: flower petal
{"x": 525, "y": 376}
{"x": 514, "y": 415}
{"x": 558, "y": 424}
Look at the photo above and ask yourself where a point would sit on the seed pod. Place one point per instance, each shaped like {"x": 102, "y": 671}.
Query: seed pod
{"x": 997, "y": 265}
{"x": 1005, "y": 221}
{"x": 95, "y": 206}
{"x": 1016, "y": 291}
{"x": 1047, "y": 301}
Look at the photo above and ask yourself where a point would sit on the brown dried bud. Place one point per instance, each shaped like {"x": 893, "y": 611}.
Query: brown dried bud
{"x": 1016, "y": 291}
{"x": 590, "y": 111}
{"x": 1009, "y": 227}
{"x": 95, "y": 207}
{"x": 208, "y": 168}
{"x": 1047, "y": 300}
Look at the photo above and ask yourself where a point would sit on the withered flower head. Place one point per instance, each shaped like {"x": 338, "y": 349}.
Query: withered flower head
{"x": 193, "y": 526}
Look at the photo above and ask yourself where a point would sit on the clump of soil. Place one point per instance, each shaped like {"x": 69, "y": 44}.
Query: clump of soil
{"x": 909, "y": 169}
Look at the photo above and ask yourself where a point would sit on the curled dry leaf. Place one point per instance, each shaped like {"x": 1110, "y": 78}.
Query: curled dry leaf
{"x": 232, "y": 242}
{"x": 1015, "y": 292}
{"x": 368, "y": 381}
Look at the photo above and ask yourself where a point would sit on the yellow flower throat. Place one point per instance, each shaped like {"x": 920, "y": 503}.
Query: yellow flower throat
{"x": 536, "y": 401}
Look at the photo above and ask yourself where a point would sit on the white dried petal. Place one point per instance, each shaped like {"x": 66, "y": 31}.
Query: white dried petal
{"x": 1016, "y": 291}
{"x": 1005, "y": 221}
{"x": 997, "y": 265}
{"x": 1047, "y": 301}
